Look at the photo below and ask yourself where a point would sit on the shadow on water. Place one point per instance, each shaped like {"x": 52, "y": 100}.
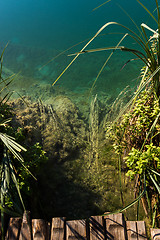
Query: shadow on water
{"x": 60, "y": 195}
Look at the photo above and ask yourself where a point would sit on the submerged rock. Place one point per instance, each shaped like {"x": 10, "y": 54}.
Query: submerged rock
{"x": 57, "y": 126}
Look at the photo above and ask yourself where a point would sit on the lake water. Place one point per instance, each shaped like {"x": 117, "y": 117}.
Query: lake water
{"x": 81, "y": 177}
{"x": 39, "y": 30}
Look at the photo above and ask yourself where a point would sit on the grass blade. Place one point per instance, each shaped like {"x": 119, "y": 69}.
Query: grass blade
{"x": 139, "y": 41}
{"x": 16, "y": 184}
{"x": 10, "y": 140}
{"x": 101, "y": 5}
{"x": 155, "y": 172}
{"x": 108, "y": 60}
{"x": 147, "y": 11}
{"x": 139, "y": 90}
{"x": 150, "y": 130}
{"x": 94, "y": 50}
{"x": 154, "y": 182}
{"x": 132, "y": 203}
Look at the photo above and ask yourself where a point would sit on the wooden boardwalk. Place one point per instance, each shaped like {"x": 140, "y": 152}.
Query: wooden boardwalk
{"x": 110, "y": 227}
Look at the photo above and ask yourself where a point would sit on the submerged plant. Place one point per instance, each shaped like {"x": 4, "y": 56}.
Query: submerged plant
{"x": 136, "y": 141}
{"x": 11, "y": 199}
{"x": 137, "y": 127}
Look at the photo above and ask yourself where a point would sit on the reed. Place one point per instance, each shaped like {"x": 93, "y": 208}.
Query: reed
{"x": 94, "y": 133}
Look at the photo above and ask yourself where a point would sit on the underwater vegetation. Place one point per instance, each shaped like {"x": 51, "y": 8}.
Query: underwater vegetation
{"x": 13, "y": 171}
{"x": 56, "y": 137}
{"x": 67, "y": 154}
{"x": 136, "y": 129}
{"x": 88, "y": 151}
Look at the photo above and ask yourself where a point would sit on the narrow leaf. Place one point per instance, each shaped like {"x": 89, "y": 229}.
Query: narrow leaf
{"x": 147, "y": 11}
{"x": 154, "y": 182}
{"x": 16, "y": 184}
{"x": 100, "y": 5}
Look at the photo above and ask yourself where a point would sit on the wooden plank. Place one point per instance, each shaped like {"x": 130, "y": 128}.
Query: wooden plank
{"x": 76, "y": 230}
{"x": 155, "y": 234}
{"x": 13, "y": 230}
{"x": 141, "y": 230}
{"x": 115, "y": 226}
{"x": 48, "y": 231}
{"x": 25, "y": 232}
{"x": 39, "y": 229}
{"x": 136, "y": 230}
{"x": 96, "y": 224}
{"x": 131, "y": 230}
{"x": 58, "y": 229}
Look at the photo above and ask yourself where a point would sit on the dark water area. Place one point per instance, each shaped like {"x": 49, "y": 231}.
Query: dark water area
{"x": 39, "y": 30}
{"x": 41, "y": 34}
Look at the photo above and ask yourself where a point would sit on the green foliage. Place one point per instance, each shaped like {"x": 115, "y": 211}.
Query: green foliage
{"x": 14, "y": 171}
{"x": 136, "y": 141}
{"x": 139, "y": 162}
{"x": 35, "y": 158}
{"x": 131, "y": 130}
{"x": 135, "y": 131}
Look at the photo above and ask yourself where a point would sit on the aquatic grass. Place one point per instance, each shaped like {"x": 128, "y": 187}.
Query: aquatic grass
{"x": 52, "y": 59}
{"x": 142, "y": 155}
{"x": 142, "y": 43}
{"x": 8, "y": 145}
{"x": 83, "y": 49}
{"x": 140, "y": 196}
{"x": 94, "y": 133}
{"x": 146, "y": 55}
{"x": 108, "y": 60}
{"x": 101, "y": 5}
{"x": 11, "y": 198}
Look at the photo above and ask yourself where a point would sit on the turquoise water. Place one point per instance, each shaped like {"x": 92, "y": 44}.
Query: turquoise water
{"x": 38, "y": 30}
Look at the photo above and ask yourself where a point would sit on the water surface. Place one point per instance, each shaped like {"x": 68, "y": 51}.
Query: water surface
{"x": 38, "y": 30}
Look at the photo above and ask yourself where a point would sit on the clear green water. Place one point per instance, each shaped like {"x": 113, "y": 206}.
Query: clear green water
{"x": 39, "y": 30}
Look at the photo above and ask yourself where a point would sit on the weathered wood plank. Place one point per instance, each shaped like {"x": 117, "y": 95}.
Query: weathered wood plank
{"x": 58, "y": 229}
{"x": 136, "y": 230}
{"x": 25, "y": 232}
{"x": 115, "y": 226}
{"x": 141, "y": 230}
{"x": 48, "y": 231}
{"x": 155, "y": 234}
{"x": 39, "y": 229}
{"x": 131, "y": 230}
{"x": 13, "y": 230}
{"x": 76, "y": 230}
{"x": 96, "y": 224}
